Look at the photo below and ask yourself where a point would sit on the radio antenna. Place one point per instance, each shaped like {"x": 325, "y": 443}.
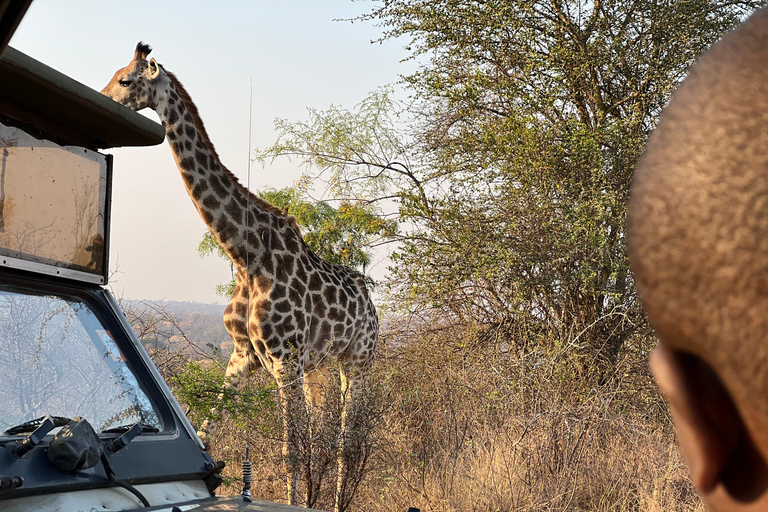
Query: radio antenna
{"x": 250, "y": 124}
{"x": 248, "y": 202}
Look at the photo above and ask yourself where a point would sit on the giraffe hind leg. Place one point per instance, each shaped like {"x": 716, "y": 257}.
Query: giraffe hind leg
{"x": 289, "y": 390}
{"x": 353, "y": 379}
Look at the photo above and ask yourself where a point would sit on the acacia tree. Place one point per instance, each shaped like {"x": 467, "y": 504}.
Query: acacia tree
{"x": 342, "y": 235}
{"x": 526, "y": 122}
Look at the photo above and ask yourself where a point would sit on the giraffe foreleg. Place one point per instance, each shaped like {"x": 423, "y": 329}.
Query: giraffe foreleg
{"x": 315, "y": 385}
{"x": 236, "y": 377}
{"x": 242, "y": 362}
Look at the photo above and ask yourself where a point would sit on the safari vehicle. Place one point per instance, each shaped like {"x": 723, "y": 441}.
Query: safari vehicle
{"x": 86, "y": 421}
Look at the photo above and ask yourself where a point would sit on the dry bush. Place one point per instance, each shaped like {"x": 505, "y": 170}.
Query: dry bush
{"x": 259, "y": 425}
{"x": 476, "y": 426}
{"x": 458, "y": 418}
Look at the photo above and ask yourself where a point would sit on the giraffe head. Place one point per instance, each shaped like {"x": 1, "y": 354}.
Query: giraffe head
{"x": 133, "y": 85}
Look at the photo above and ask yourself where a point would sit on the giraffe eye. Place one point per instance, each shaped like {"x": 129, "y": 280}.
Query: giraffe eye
{"x": 124, "y": 83}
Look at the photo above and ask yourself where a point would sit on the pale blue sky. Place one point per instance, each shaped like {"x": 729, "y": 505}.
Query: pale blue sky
{"x": 297, "y": 56}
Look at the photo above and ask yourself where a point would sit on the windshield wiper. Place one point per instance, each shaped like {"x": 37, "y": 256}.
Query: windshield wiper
{"x": 129, "y": 433}
{"x": 31, "y": 425}
{"x": 126, "y": 428}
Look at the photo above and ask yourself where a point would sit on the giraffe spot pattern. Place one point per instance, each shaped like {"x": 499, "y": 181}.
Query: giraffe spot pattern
{"x": 211, "y": 203}
{"x": 315, "y": 282}
{"x": 218, "y": 187}
{"x": 235, "y": 211}
{"x": 202, "y": 160}
{"x": 187, "y": 163}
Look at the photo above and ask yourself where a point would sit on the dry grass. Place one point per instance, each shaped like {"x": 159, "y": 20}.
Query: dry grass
{"x": 473, "y": 426}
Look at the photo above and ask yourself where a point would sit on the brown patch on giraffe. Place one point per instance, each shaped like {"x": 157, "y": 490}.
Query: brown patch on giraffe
{"x": 207, "y": 217}
{"x": 342, "y": 297}
{"x": 318, "y": 305}
{"x": 301, "y": 274}
{"x": 234, "y": 210}
{"x": 335, "y": 314}
{"x": 234, "y": 325}
{"x": 187, "y": 163}
{"x": 278, "y": 291}
{"x": 325, "y": 334}
{"x": 218, "y": 187}
{"x": 296, "y": 297}
{"x": 211, "y": 202}
{"x": 228, "y": 231}
{"x": 298, "y": 285}
{"x": 292, "y": 243}
{"x": 329, "y": 293}
{"x": 301, "y": 319}
{"x": 263, "y": 283}
{"x": 202, "y": 160}
{"x": 284, "y": 306}
{"x": 284, "y": 264}
{"x": 261, "y": 310}
{"x": 264, "y": 264}
{"x": 285, "y": 326}
{"x": 275, "y": 244}
{"x": 315, "y": 282}
{"x": 266, "y": 330}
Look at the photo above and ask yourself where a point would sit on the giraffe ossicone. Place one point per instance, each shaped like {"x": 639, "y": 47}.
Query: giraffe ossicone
{"x": 291, "y": 311}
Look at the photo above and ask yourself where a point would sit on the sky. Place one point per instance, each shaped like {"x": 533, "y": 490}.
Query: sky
{"x": 294, "y": 52}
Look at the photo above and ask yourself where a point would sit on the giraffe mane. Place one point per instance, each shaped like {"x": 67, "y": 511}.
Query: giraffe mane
{"x": 252, "y": 198}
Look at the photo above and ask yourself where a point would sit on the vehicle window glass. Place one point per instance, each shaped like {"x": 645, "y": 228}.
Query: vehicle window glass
{"x": 57, "y": 358}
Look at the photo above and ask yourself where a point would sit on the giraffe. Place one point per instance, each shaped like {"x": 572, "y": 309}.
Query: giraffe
{"x": 291, "y": 311}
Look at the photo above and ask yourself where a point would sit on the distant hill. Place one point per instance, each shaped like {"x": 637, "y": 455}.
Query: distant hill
{"x": 162, "y": 324}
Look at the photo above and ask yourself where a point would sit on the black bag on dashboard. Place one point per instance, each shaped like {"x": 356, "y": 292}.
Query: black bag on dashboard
{"x": 76, "y": 446}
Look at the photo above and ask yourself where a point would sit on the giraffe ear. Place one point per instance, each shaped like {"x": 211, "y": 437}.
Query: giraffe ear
{"x": 153, "y": 70}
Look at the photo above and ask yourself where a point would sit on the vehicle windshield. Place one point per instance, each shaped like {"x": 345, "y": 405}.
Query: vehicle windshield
{"x": 57, "y": 358}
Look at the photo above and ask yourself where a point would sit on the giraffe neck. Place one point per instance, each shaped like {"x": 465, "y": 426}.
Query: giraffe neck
{"x": 238, "y": 219}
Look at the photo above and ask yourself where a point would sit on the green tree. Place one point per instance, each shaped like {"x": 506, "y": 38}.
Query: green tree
{"x": 527, "y": 119}
{"x": 342, "y": 235}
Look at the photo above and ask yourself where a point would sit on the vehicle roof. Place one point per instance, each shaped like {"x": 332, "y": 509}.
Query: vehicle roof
{"x": 38, "y": 96}
{"x": 11, "y": 13}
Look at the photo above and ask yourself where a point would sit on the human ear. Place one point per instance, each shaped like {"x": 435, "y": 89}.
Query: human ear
{"x": 712, "y": 436}
{"x": 704, "y": 445}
